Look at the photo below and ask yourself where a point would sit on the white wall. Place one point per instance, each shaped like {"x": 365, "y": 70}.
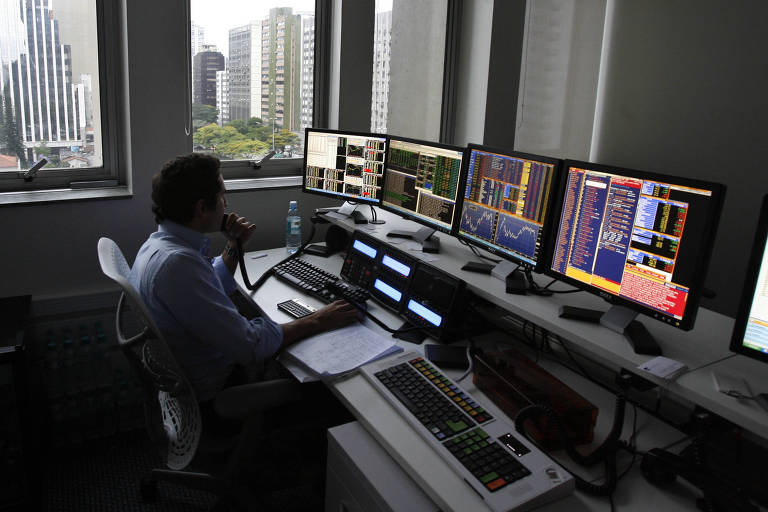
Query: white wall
{"x": 685, "y": 94}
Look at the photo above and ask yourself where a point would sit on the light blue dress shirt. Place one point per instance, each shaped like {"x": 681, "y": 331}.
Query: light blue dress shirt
{"x": 188, "y": 296}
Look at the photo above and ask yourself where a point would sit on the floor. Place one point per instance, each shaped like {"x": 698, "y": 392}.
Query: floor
{"x": 105, "y": 476}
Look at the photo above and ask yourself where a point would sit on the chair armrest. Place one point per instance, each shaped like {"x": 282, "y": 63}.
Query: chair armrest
{"x": 238, "y": 402}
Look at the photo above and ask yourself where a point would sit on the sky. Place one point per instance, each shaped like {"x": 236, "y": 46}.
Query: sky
{"x": 218, "y": 16}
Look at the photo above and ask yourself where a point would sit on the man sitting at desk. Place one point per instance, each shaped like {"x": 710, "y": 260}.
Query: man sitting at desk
{"x": 188, "y": 293}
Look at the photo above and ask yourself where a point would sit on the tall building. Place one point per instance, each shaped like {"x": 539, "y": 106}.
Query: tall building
{"x": 307, "y": 70}
{"x": 206, "y": 63}
{"x": 37, "y": 70}
{"x": 222, "y": 96}
{"x": 245, "y": 71}
{"x": 281, "y": 69}
{"x": 381, "y": 58}
{"x": 197, "y": 40}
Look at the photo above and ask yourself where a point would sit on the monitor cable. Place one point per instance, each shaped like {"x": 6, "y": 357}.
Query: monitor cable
{"x": 605, "y": 453}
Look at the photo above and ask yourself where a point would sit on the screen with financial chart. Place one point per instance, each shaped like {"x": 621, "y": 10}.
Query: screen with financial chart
{"x": 506, "y": 199}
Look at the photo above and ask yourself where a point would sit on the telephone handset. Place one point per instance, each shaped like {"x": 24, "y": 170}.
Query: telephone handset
{"x": 241, "y": 259}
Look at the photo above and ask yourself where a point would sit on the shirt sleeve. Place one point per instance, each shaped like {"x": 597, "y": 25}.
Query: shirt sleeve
{"x": 191, "y": 291}
{"x": 225, "y": 276}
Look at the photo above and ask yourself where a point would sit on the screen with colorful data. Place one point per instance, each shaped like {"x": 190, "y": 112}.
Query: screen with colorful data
{"x": 346, "y": 165}
{"x": 637, "y": 239}
{"x": 506, "y": 202}
{"x": 421, "y": 181}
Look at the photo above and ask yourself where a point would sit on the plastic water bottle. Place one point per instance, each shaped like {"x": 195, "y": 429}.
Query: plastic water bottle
{"x": 293, "y": 228}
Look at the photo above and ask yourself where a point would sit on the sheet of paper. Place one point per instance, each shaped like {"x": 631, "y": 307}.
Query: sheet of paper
{"x": 342, "y": 350}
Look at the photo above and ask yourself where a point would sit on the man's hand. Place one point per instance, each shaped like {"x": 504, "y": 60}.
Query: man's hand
{"x": 235, "y": 228}
{"x": 334, "y": 315}
{"x": 238, "y": 228}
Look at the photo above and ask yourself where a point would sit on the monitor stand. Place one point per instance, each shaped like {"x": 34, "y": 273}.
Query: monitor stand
{"x": 425, "y": 236}
{"x": 350, "y": 210}
{"x": 621, "y": 320}
{"x": 516, "y": 280}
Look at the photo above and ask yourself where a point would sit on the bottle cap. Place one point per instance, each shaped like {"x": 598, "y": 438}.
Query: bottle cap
{"x": 293, "y": 204}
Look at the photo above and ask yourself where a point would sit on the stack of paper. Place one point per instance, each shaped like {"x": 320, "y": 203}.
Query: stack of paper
{"x": 340, "y": 351}
{"x": 663, "y": 367}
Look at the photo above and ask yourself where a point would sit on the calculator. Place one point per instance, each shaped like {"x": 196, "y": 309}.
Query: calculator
{"x": 296, "y": 308}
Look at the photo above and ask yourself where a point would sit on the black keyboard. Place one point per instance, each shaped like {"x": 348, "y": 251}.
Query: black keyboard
{"x": 318, "y": 282}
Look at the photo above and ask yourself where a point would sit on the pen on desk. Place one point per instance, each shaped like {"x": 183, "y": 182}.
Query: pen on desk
{"x": 259, "y": 255}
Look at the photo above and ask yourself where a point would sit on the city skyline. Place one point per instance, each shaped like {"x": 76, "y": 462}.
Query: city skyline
{"x": 218, "y": 18}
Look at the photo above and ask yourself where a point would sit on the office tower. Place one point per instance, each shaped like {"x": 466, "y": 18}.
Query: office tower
{"x": 37, "y": 80}
{"x": 381, "y": 58}
{"x": 281, "y": 69}
{"x": 245, "y": 71}
{"x": 206, "y": 63}
{"x": 197, "y": 40}
{"x": 307, "y": 69}
{"x": 222, "y": 96}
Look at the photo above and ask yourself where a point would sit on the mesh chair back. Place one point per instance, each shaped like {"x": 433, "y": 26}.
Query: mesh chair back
{"x": 171, "y": 410}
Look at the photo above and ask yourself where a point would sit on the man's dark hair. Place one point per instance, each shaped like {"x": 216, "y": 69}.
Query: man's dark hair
{"x": 181, "y": 183}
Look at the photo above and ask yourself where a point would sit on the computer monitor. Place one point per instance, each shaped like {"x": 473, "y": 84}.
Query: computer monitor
{"x": 505, "y": 206}
{"x": 640, "y": 240}
{"x": 750, "y": 333}
{"x": 421, "y": 183}
{"x": 345, "y": 165}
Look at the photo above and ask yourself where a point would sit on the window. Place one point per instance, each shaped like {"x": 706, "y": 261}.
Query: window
{"x": 264, "y": 96}
{"x": 409, "y": 54}
{"x": 54, "y": 100}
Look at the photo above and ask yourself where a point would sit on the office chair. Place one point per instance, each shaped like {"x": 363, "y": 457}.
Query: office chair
{"x": 172, "y": 413}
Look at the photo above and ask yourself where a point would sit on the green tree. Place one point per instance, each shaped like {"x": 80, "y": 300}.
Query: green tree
{"x": 212, "y": 135}
{"x": 286, "y": 138}
{"x": 203, "y": 115}
{"x": 239, "y": 125}
{"x": 242, "y": 148}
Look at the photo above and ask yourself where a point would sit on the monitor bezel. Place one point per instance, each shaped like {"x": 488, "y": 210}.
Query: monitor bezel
{"x": 551, "y": 204}
{"x": 342, "y": 197}
{"x": 410, "y": 215}
{"x": 750, "y": 285}
{"x": 692, "y": 303}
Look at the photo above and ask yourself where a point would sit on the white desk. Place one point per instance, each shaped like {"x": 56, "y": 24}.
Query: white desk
{"x": 424, "y": 465}
{"x": 707, "y": 342}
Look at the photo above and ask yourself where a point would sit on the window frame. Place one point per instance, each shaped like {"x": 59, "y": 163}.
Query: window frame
{"x": 111, "y": 174}
{"x": 238, "y": 173}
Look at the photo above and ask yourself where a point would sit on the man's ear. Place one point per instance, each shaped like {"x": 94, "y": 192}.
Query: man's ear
{"x": 200, "y": 208}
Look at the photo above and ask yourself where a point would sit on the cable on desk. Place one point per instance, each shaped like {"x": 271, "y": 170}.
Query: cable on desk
{"x": 570, "y": 356}
{"x": 553, "y": 281}
{"x": 270, "y": 271}
{"x": 471, "y": 349}
{"x": 708, "y": 364}
{"x": 477, "y": 253}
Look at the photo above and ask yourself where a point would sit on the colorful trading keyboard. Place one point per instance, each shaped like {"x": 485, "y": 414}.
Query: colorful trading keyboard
{"x": 503, "y": 467}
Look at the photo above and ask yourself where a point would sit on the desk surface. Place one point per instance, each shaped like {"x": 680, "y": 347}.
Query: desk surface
{"x": 707, "y": 343}
{"x": 423, "y": 464}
